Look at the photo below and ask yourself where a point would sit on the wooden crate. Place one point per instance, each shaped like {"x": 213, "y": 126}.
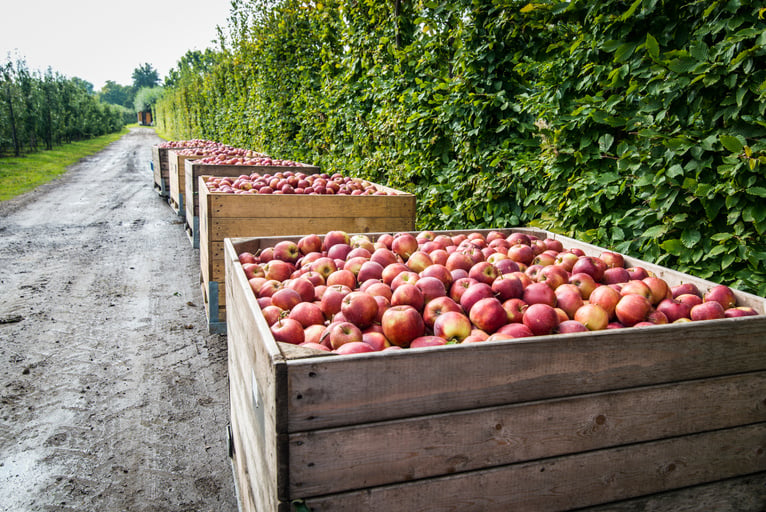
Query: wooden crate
{"x": 160, "y": 170}
{"x": 224, "y": 216}
{"x": 177, "y": 179}
{"x": 545, "y": 423}
{"x": 193, "y": 170}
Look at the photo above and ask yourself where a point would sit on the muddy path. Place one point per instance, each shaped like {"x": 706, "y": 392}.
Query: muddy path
{"x": 113, "y": 396}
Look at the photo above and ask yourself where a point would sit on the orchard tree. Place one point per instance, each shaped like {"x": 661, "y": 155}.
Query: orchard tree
{"x": 145, "y": 76}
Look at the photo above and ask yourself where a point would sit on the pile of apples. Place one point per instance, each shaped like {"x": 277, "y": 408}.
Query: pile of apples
{"x": 289, "y": 182}
{"x": 191, "y": 143}
{"x": 248, "y": 158}
{"x": 351, "y": 294}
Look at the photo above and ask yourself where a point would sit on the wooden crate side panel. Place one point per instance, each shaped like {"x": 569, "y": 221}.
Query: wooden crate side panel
{"x": 231, "y": 227}
{"x": 572, "y": 481}
{"x": 428, "y": 446}
{"x": 205, "y": 249}
{"x": 327, "y": 392}
{"x": 306, "y": 206}
{"x": 255, "y": 380}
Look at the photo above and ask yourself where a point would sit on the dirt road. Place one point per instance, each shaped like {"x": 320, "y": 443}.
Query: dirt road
{"x": 113, "y": 394}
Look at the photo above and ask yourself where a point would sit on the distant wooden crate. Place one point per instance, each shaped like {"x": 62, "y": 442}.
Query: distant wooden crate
{"x": 177, "y": 179}
{"x": 193, "y": 170}
{"x": 544, "y": 423}
{"x": 160, "y": 170}
{"x": 229, "y": 215}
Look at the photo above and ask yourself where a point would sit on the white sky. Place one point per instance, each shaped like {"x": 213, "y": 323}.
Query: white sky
{"x": 100, "y": 40}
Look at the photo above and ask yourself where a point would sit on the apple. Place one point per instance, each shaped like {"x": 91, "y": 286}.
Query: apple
{"x": 684, "y": 288}
{"x": 288, "y": 330}
{"x": 615, "y": 275}
{"x": 514, "y": 330}
{"x": 272, "y": 314}
{"x": 339, "y": 251}
{"x": 354, "y": 347}
{"x": 591, "y": 265}
{"x": 313, "y": 333}
{"x": 637, "y": 273}
{"x": 307, "y": 313}
{"x": 657, "y": 317}
{"x": 659, "y": 289}
{"x": 541, "y": 318}
{"x": 539, "y": 293}
{"x": 674, "y": 309}
{"x": 287, "y": 250}
{"x": 739, "y": 311}
{"x": 342, "y": 276}
{"x": 402, "y": 324}
{"x": 568, "y": 298}
{"x": 408, "y": 294}
{"x": 323, "y": 266}
{"x": 286, "y": 298}
{"x": 570, "y": 326}
{"x": 278, "y": 270}
{"x": 359, "y": 308}
{"x": 333, "y": 238}
{"x": 314, "y": 345}
{"x": 253, "y": 270}
{"x": 484, "y": 272}
{"x": 507, "y": 286}
{"x": 506, "y": 266}
{"x": 440, "y": 272}
{"x": 553, "y": 275}
{"x": 514, "y": 309}
{"x": 427, "y": 341}
{"x": 403, "y": 245}
{"x": 419, "y": 261}
{"x": 406, "y": 277}
{"x": 439, "y": 256}
{"x": 612, "y": 259}
{"x": 475, "y": 292}
{"x": 584, "y": 282}
{"x": 636, "y": 287}
{"x": 721, "y": 294}
{"x": 256, "y": 283}
{"x": 632, "y": 308}
{"x": 488, "y": 314}
{"x": 309, "y": 243}
{"x": 439, "y": 306}
{"x": 332, "y": 299}
{"x": 247, "y": 257}
{"x": 709, "y": 310}
{"x": 566, "y": 260}
{"x": 521, "y": 253}
{"x": 383, "y": 256}
{"x": 377, "y": 340}
{"x": 369, "y": 270}
{"x": 459, "y": 286}
{"x": 690, "y": 299}
{"x": 431, "y": 287}
{"x": 391, "y": 271}
{"x": 592, "y": 316}
{"x": 341, "y": 333}
{"x": 453, "y": 326}
{"x": 304, "y": 287}
{"x": 459, "y": 260}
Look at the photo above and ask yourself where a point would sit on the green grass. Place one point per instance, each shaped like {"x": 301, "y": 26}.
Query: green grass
{"x": 22, "y": 174}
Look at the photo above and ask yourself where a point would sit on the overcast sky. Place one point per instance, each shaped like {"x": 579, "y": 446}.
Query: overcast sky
{"x": 100, "y": 40}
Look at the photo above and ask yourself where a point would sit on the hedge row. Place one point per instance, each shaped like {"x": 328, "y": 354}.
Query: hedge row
{"x": 636, "y": 125}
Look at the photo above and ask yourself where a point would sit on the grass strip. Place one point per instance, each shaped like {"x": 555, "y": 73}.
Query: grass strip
{"x": 19, "y": 175}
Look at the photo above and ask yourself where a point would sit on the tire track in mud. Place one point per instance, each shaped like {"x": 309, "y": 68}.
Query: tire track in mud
{"x": 113, "y": 395}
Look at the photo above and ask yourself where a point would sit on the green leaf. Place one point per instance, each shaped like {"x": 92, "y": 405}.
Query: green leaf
{"x": 690, "y": 237}
{"x": 624, "y": 52}
{"x": 757, "y": 191}
{"x": 652, "y": 47}
{"x": 655, "y": 231}
{"x": 605, "y": 142}
{"x": 683, "y": 65}
{"x": 732, "y": 143}
{"x": 673, "y": 246}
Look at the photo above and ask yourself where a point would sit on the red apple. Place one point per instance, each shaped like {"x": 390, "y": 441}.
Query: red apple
{"x": 324, "y": 266}
{"x": 488, "y": 314}
{"x": 637, "y": 273}
{"x": 402, "y": 324}
{"x": 553, "y": 275}
{"x": 674, "y": 309}
{"x": 342, "y": 276}
{"x": 287, "y": 250}
{"x": 484, "y": 272}
{"x": 721, "y": 294}
{"x": 689, "y": 299}
{"x": 591, "y": 265}
{"x": 612, "y": 259}
{"x": 333, "y": 238}
{"x": 514, "y": 330}
{"x": 684, "y": 288}
{"x": 541, "y": 319}
{"x": 419, "y": 261}
{"x": 247, "y": 257}
{"x": 408, "y": 294}
{"x": 286, "y": 298}
{"x": 709, "y": 310}
{"x": 568, "y": 298}
{"x": 592, "y": 316}
{"x": 440, "y": 272}
{"x": 307, "y": 313}
{"x": 341, "y": 333}
{"x": 427, "y": 341}
{"x": 354, "y": 347}
{"x": 369, "y": 270}
{"x": 404, "y": 244}
{"x": 584, "y": 282}
{"x": 521, "y": 253}
{"x": 659, "y": 289}
{"x": 459, "y": 286}
{"x": 570, "y": 326}
{"x": 314, "y": 345}
{"x": 288, "y": 330}
{"x": 539, "y": 293}
{"x": 739, "y": 311}
{"x": 439, "y": 306}
{"x": 313, "y": 333}
{"x": 431, "y": 287}
{"x": 359, "y": 308}
{"x": 278, "y": 270}
{"x": 632, "y": 308}
{"x": 391, "y": 271}
{"x": 474, "y": 293}
{"x": 332, "y": 299}
{"x": 615, "y": 275}
{"x": 458, "y": 260}
{"x": 377, "y": 340}
{"x": 453, "y": 326}
{"x": 507, "y": 286}
{"x": 514, "y": 309}
{"x": 310, "y": 243}
{"x": 303, "y": 286}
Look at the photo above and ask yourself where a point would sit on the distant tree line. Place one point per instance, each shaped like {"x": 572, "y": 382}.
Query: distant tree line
{"x": 40, "y": 110}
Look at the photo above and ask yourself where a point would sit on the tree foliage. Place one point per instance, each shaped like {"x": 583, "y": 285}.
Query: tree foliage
{"x": 39, "y": 110}
{"x": 145, "y": 76}
{"x": 636, "y": 125}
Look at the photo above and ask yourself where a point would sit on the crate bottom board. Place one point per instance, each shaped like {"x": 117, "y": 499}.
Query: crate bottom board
{"x": 215, "y": 314}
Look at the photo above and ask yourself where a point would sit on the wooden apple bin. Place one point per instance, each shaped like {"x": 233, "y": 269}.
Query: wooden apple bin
{"x": 160, "y": 170}
{"x": 177, "y": 178}
{"x": 193, "y": 170}
{"x": 545, "y": 423}
{"x": 224, "y": 216}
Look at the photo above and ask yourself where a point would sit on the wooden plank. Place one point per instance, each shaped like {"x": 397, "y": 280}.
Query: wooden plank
{"x": 572, "y": 481}
{"x": 427, "y": 446}
{"x": 327, "y": 392}
{"x": 307, "y": 206}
